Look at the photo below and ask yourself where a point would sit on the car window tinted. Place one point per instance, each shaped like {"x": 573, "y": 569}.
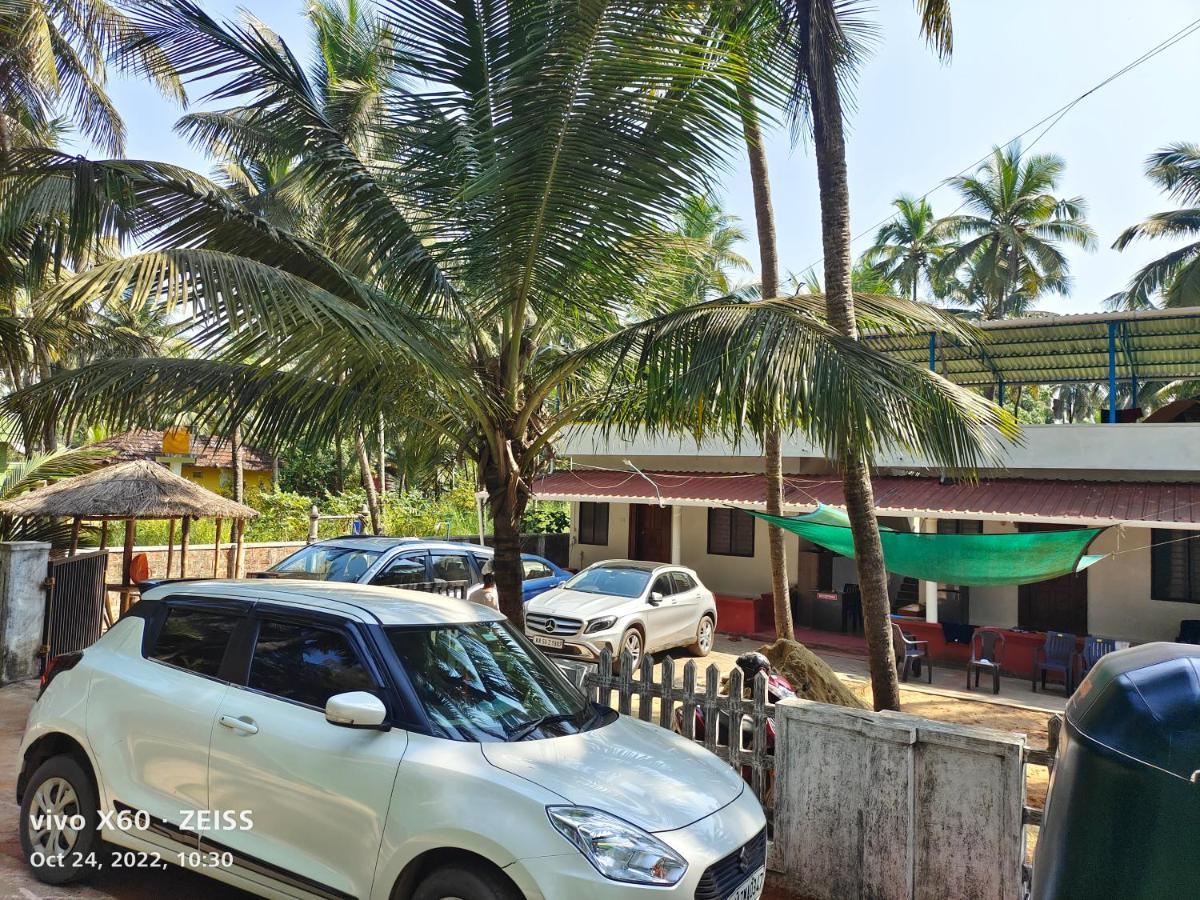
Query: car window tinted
{"x": 306, "y": 663}
{"x": 408, "y": 569}
{"x": 616, "y": 581}
{"x": 327, "y": 562}
{"x": 194, "y": 639}
{"x": 535, "y": 568}
{"x": 482, "y": 682}
{"x": 662, "y": 584}
{"x": 683, "y": 582}
{"x": 451, "y": 567}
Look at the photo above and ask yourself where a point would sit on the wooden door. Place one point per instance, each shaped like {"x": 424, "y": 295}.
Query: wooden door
{"x": 650, "y": 532}
{"x": 1060, "y": 604}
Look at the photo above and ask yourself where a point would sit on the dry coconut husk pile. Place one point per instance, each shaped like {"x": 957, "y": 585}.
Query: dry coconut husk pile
{"x": 810, "y": 676}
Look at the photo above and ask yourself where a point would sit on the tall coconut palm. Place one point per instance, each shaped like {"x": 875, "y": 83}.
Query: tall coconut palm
{"x": 909, "y": 247}
{"x": 55, "y": 65}
{"x": 827, "y": 40}
{"x": 1174, "y": 279}
{"x": 1011, "y": 239}
{"x": 474, "y": 266}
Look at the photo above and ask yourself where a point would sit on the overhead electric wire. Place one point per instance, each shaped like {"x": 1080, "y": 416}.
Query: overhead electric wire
{"x": 1049, "y": 121}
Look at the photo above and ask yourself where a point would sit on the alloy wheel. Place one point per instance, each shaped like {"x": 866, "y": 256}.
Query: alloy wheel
{"x": 705, "y": 636}
{"x": 633, "y": 644}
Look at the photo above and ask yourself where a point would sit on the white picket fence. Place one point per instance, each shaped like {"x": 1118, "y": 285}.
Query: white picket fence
{"x": 735, "y": 725}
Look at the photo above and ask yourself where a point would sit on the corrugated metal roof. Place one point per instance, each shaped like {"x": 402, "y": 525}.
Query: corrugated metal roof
{"x": 1153, "y": 344}
{"x": 1011, "y": 499}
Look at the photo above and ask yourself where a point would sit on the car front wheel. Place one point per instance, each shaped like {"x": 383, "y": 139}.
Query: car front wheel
{"x": 454, "y": 883}
{"x": 704, "y": 637}
{"x": 58, "y": 821}
{"x": 631, "y": 643}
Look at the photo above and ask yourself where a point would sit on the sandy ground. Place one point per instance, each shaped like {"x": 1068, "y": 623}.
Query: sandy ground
{"x": 178, "y": 884}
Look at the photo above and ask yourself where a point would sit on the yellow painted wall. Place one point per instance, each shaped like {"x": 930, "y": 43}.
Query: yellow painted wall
{"x": 221, "y": 480}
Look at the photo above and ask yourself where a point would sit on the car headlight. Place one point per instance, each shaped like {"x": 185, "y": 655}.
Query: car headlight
{"x": 600, "y": 624}
{"x": 618, "y": 850}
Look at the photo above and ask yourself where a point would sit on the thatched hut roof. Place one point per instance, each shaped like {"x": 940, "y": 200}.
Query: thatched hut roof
{"x": 132, "y": 490}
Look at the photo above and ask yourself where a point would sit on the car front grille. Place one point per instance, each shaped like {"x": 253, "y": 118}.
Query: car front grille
{"x": 720, "y": 879}
{"x": 556, "y": 626}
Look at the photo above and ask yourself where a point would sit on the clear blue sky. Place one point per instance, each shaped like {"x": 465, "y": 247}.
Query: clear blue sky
{"x": 918, "y": 121}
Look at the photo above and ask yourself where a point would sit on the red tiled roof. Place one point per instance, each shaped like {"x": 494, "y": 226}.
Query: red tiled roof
{"x": 210, "y": 452}
{"x": 1014, "y": 499}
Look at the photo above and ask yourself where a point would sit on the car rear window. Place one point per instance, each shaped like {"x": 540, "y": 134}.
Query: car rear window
{"x": 194, "y": 639}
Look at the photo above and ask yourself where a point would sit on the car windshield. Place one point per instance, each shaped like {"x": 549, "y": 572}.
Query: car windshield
{"x": 327, "y": 562}
{"x": 619, "y": 581}
{"x": 483, "y": 682}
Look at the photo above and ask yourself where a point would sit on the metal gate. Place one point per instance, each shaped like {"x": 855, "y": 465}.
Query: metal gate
{"x": 75, "y": 593}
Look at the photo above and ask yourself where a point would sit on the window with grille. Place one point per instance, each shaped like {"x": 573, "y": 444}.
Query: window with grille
{"x": 1175, "y": 565}
{"x": 593, "y": 523}
{"x": 730, "y": 533}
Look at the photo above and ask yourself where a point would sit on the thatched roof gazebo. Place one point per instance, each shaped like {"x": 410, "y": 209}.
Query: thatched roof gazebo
{"x": 131, "y": 491}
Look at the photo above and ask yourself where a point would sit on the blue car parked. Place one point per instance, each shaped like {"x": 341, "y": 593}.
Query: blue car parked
{"x": 408, "y": 563}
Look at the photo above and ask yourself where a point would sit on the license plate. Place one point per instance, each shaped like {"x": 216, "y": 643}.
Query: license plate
{"x": 751, "y": 888}
{"x": 552, "y": 643}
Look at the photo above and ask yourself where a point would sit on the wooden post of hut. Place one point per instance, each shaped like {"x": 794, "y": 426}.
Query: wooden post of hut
{"x": 127, "y": 562}
{"x": 239, "y": 552}
{"x": 185, "y": 535}
{"x": 74, "y": 536}
{"x": 170, "y": 546}
{"x": 216, "y": 548}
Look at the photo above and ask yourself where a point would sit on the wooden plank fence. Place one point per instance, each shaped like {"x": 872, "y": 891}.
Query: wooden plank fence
{"x": 735, "y": 725}
{"x": 1029, "y": 815}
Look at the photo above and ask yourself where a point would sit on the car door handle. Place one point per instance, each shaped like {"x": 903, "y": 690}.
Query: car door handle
{"x": 242, "y": 725}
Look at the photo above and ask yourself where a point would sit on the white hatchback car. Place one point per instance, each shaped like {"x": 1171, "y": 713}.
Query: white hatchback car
{"x": 624, "y": 605}
{"x": 302, "y": 739}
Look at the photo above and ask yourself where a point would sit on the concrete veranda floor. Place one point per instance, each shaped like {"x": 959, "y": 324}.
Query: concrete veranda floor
{"x": 947, "y": 681}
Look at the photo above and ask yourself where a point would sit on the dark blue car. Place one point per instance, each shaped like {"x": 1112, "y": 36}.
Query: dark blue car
{"x": 409, "y": 563}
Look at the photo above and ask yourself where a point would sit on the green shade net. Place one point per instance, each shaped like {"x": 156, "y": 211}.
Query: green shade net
{"x": 964, "y": 559}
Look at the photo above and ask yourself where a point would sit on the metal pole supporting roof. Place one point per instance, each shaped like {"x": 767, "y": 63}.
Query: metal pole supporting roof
{"x": 1112, "y": 372}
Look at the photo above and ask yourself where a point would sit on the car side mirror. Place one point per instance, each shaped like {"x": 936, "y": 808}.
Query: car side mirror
{"x": 656, "y": 598}
{"x": 356, "y": 709}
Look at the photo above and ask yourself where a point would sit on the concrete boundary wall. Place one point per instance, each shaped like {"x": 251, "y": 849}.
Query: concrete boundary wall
{"x": 889, "y": 805}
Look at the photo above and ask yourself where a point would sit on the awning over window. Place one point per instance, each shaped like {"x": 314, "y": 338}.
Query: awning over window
{"x": 964, "y": 559}
{"x": 1073, "y": 502}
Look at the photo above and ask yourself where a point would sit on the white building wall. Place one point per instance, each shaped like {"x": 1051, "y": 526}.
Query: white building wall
{"x": 738, "y": 576}
{"x": 995, "y": 605}
{"x": 583, "y": 555}
{"x": 1119, "y": 601}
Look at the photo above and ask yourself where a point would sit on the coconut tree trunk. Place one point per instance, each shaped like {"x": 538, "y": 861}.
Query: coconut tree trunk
{"x": 239, "y": 474}
{"x": 507, "y": 499}
{"x": 830, "y": 151}
{"x": 764, "y": 220}
{"x": 368, "y": 482}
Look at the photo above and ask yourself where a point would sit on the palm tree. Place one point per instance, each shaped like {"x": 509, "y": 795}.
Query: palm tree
{"x": 1175, "y": 278}
{"x": 55, "y": 65}
{"x": 909, "y": 247}
{"x": 827, "y": 39}
{"x": 475, "y": 260}
{"x": 1010, "y": 242}
{"x": 699, "y": 258}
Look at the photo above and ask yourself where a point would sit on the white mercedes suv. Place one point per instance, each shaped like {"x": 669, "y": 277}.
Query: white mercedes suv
{"x": 624, "y": 605}
{"x": 309, "y": 739}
